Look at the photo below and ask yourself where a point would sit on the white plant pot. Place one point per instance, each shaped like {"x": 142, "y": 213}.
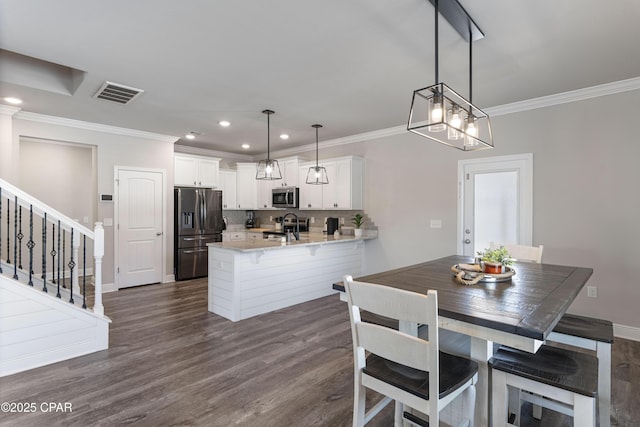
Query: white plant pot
{"x": 357, "y": 232}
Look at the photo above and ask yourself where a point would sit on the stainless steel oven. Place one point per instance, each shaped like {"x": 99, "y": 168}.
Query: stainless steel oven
{"x": 285, "y": 197}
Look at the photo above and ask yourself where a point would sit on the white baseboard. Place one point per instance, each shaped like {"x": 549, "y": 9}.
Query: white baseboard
{"x": 109, "y": 287}
{"x": 169, "y": 278}
{"x": 626, "y": 332}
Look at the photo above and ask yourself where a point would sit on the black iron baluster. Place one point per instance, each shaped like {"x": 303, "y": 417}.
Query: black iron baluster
{"x": 1, "y": 230}
{"x": 53, "y": 253}
{"x": 8, "y": 228}
{"x": 84, "y": 271}
{"x": 44, "y": 253}
{"x": 15, "y": 238}
{"x": 20, "y": 236}
{"x": 53, "y": 257}
{"x": 64, "y": 256}
{"x": 31, "y": 244}
{"x": 72, "y": 265}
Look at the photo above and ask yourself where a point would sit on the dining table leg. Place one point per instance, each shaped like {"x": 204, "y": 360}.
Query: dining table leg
{"x": 481, "y": 352}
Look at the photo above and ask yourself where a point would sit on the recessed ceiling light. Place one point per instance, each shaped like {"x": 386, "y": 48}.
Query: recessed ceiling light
{"x": 284, "y": 136}
{"x": 190, "y": 136}
{"x": 246, "y": 146}
{"x": 224, "y": 123}
{"x": 14, "y": 101}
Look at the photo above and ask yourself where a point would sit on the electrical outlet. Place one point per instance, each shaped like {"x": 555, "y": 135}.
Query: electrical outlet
{"x": 592, "y": 292}
{"x": 313, "y": 220}
{"x": 270, "y": 218}
{"x": 341, "y": 221}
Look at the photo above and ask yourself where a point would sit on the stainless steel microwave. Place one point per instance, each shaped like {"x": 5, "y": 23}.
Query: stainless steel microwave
{"x": 285, "y": 197}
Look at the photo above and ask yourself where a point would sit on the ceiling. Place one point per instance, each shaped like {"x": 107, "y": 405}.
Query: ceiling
{"x": 349, "y": 65}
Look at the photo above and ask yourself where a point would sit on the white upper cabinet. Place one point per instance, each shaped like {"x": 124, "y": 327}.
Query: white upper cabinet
{"x": 196, "y": 171}
{"x": 228, "y": 187}
{"x": 289, "y": 170}
{"x": 246, "y": 186}
{"x": 264, "y": 192}
{"x": 344, "y": 191}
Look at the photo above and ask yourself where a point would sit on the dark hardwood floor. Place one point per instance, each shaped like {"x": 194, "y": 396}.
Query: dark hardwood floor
{"x": 172, "y": 363}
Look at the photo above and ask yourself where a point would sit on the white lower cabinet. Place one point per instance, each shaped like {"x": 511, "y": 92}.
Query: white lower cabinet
{"x": 234, "y": 236}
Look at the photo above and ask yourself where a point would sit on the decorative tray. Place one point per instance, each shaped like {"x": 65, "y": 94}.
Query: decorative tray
{"x": 470, "y": 274}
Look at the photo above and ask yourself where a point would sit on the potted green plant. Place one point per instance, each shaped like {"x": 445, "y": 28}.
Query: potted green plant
{"x": 495, "y": 259}
{"x": 358, "y": 220}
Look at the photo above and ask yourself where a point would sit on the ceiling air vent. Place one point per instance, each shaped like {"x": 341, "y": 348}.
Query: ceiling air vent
{"x": 117, "y": 93}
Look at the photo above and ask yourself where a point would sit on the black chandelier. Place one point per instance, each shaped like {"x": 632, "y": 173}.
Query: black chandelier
{"x": 438, "y": 112}
{"x": 317, "y": 175}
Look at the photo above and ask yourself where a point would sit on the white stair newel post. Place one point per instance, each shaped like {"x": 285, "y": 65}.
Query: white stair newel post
{"x": 98, "y": 253}
{"x": 74, "y": 256}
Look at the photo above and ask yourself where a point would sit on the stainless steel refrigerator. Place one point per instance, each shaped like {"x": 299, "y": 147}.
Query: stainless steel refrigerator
{"x": 198, "y": 221}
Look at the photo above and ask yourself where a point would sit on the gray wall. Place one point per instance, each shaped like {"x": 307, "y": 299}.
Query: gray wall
{"x": 112, "y": 149}
{"x": 586, "y": 199}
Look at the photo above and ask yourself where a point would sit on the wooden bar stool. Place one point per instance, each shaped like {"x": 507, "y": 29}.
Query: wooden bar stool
{"x": 562, "y": 380}
{"x": 596, "y": 335}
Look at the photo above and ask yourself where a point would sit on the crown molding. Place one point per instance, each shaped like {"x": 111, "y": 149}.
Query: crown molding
{"x": 515, "y": 107}
{"x": 186, "y": 149}
{"x": 9, "y": 110}
{"x": 97, "y": 127}
{"x": 566, "y": 97}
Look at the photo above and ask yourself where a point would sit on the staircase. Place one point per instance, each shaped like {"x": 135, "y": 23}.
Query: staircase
{"x": 47, "y": 283}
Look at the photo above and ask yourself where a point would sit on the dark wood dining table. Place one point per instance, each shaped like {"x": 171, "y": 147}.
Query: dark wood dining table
{"x": 520, "y": 312}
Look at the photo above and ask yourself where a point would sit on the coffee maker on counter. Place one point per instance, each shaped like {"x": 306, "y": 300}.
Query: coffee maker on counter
{"x": 252, "y": 221}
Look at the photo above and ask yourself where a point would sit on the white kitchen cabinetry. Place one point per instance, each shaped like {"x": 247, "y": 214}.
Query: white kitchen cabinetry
{"x": 233, "y": 236}
{"x": 196, "y": 171}
{"x": 264, "y": 192}
{"x": 289, "y": 171}
{"x": 246, "y": 186}
{"x": 255, "y": 235}
{"x": 228, "y": 187}
{"x": 344, "y": 191}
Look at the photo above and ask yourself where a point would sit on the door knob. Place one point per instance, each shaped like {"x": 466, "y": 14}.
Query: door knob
{"x": 159, "y": 233}
{"x": 467, "y": 241}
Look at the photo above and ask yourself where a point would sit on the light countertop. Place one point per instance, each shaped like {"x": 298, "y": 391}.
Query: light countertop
{"x": 306, "y": 239}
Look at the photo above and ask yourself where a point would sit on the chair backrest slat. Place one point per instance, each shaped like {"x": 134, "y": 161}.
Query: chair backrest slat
{"x": 400, "y": 305}
{"x": 393, "y": 345}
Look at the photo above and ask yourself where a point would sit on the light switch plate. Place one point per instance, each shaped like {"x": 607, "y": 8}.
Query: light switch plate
{"x": 108, "y": 222}
{"x": 436, "y": 223}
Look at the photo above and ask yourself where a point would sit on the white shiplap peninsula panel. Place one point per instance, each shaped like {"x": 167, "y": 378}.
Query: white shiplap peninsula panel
{"x": 245, "y": 284}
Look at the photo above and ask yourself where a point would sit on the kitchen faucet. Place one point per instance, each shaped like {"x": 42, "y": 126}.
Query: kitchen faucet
{"x": 296, "y": 234}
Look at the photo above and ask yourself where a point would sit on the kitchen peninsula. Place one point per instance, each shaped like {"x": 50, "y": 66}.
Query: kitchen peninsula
{"x": 252, "y": 277}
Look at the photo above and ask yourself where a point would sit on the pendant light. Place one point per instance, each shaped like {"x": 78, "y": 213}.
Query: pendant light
{"x": 438, "y": 112}
{"x": 317, "y": 175}
{"x": 268, "y": 169}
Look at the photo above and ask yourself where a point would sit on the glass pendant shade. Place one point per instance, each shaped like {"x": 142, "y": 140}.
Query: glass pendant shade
{"x": 317, "y": 175}
{"x": 450, "y": 128}
{"x": 268, "y": 169}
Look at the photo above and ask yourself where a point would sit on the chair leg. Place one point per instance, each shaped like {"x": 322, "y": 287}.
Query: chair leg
{"x": 515, "y": 405}
{"x": 584, "y": 411}
{"x": 359, "y": 397}
{"x": 500, "y": 397}
{"x": 604, "y": 383}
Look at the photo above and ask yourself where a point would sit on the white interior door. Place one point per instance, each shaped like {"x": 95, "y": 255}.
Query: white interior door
{"x": 140, "y": 227}
{"x": 495, "y": 202}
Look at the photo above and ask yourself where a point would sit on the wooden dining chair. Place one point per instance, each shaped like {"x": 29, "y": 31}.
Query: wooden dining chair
{"x": 580, "y": 332}
{"x": 407, "y": 369}
{"x": 563, "y": 380}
